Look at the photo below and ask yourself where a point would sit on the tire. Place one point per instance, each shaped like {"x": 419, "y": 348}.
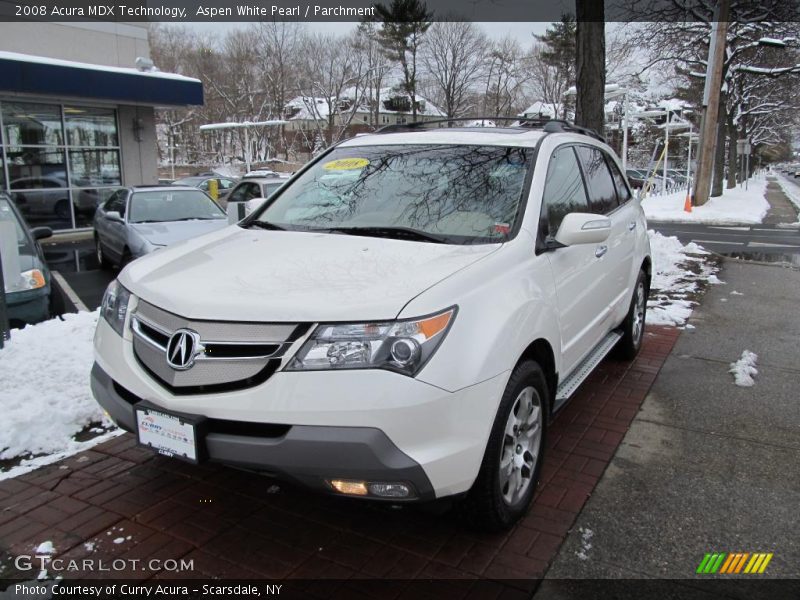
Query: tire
{"x": 633, "y": 326}
{"x": 102, "y": 260}
{"x": 500, "y": 494}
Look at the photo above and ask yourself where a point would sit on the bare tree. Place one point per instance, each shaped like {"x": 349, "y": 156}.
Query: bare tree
{"x": 333, "y": 84}
{"x": 377, "y": 67}
{"x": 504, "y": 78}
{"x": 453, "y": 59}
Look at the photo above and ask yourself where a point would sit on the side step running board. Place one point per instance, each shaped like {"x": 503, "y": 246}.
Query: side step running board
{"x": 567, "y": 387}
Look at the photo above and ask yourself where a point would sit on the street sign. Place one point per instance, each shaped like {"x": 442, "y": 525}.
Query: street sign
{"x": 743, "y": 146}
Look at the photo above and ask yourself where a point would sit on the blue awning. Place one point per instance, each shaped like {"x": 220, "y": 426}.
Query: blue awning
{"x": 21, "y": 73}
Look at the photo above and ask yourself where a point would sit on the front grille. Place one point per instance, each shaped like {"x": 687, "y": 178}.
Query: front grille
{"x": 228, "y": 355}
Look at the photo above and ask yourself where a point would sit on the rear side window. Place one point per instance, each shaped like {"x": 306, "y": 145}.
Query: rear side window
{"x": 623, "y": 193}
{"x": 600, "y": 185}
{"x": 563, "y": 189}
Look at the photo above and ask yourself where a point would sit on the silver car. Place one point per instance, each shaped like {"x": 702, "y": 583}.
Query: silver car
{"x": 138, "y": 220}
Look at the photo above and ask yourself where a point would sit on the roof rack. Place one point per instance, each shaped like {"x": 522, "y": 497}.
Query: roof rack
{"x": 547, "y": 125}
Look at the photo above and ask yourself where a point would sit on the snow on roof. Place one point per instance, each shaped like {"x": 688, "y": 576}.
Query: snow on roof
{"x": 314, "y": 107}
{"x": 43, "y": 60}
{"x": 451, "y": 135}
{"x": 545, "y": 109}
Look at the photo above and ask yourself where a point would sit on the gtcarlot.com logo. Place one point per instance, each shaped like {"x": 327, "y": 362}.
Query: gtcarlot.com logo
{"x": 734, "y": 563}
{"x": 43, "y": 564}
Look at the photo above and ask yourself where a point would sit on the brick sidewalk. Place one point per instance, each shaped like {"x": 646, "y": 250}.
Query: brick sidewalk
{"x": 234, "y": 524}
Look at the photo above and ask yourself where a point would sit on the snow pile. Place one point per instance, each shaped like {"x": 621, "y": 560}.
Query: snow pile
{"x": 735, "y": 206}
{"x": 46, "y": 548}
{"x": 45, "y": 397}
{"x": 586, "y": 535}
{"x": 791, "y": 194}
{"x": 678, "y": 271}
{"x": 744, "y": 369}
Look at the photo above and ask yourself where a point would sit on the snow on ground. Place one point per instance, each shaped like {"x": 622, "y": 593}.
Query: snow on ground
{"x": 791, "y": 193}
{"x": 744, "y": 369}
{"x": 678, "y": 271}
{"x": 735, "y": 206}
{"x": 586, "y": 535}
{"x": 45, "y": 398}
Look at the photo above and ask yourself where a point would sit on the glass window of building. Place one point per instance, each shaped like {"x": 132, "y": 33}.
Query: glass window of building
{"x": 62, "y": 161}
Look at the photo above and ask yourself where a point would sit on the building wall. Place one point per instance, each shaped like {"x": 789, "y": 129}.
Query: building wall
{"x": 109, "y": 44}
{"x": 139, "y": 150}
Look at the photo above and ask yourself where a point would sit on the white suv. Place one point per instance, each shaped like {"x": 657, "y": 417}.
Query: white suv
{"x": 400, "y": 321}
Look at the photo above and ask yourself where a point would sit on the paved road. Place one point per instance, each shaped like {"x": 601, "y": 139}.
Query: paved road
{"x": 760, "y": 242}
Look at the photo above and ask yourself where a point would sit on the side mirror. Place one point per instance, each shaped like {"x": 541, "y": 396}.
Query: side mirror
{"x": 40, "y": 233}
{"x": 254, "y": 204}
{"x": 583, "y": 228}
{"x": 114, "y": 215}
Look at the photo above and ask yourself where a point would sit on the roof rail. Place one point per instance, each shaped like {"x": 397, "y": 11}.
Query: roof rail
{"x": 547, "y": 125}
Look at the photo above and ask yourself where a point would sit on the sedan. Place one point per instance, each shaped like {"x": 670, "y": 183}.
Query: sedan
{"x": 27, "y": 284}
{"x": 136, "y": 221}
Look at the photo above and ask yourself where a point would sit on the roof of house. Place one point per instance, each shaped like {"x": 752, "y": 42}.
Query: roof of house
{"x": 315, "y": 107}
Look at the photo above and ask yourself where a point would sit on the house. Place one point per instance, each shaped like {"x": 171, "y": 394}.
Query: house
{"x": 394, "y": 108}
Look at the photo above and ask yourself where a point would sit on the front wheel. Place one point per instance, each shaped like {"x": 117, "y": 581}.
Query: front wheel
{"x": 633, "y": 326}
{"x": 510, "y": 470}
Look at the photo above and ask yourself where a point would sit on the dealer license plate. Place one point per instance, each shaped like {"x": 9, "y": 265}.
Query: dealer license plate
{"x": 168, "y": 434}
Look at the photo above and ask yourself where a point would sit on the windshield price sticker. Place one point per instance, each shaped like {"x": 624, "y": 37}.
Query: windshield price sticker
{"x": 346, "y": 164}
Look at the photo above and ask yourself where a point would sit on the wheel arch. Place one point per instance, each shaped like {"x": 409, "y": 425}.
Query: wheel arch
{"x": 541, "y": 351}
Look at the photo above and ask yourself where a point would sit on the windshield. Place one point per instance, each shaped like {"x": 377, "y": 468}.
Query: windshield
{"x": 460, "y": 194}
{"x": 165, "y": 205}
{"x": 8, "y": 215}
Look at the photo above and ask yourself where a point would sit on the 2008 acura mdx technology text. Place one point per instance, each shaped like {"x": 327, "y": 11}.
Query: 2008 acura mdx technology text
{"x": 400, "y": 321}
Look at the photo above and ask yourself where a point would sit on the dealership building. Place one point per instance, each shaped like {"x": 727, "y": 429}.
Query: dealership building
{"x": 77, "y": 115}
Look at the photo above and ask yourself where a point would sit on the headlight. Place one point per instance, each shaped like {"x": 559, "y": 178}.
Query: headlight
{"x": 115, "y": 305}
{"x": 29, "y": 280}
{"x": 402, "y": 346}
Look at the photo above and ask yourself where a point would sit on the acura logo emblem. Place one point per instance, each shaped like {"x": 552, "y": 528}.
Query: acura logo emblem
{"x": 183, "y": 347}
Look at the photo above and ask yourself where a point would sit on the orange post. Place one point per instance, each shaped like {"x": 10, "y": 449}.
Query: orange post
{"x": 687, "y": 205}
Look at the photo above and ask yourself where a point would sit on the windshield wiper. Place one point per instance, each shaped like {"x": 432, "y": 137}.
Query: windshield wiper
{"x": 266, "y": 225}
{"x": 399, "y": 233}
{"x": 200, "y": 219}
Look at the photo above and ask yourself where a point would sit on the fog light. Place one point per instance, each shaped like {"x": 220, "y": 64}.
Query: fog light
{"x": 352, "y": 488}
{"x": 390, "y": 490}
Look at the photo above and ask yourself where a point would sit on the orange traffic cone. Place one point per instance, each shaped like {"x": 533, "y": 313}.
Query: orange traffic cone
{"x": 687, "y": 205}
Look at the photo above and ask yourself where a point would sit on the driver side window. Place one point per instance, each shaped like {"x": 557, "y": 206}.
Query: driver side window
{"x": 564, "y": 191}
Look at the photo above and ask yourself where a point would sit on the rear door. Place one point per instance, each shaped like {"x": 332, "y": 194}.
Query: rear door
{"x": 577, "y": 271}
{"x": 615, "y": 255}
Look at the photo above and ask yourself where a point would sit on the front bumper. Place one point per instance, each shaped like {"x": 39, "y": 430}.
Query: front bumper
{"x": 341, "y": 424}
{"x": 32, "y": 306}
{"x": 308, "y": 455}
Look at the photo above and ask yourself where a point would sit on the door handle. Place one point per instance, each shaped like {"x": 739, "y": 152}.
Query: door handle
{"x": 631, "y": 225}
{"x": 600, "y": 251}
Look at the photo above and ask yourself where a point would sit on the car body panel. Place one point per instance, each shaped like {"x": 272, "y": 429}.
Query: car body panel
{"x": 308, "y": 277}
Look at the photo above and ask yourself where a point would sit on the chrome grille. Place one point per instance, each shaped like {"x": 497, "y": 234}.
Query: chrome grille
{"x": 229, "y": 353}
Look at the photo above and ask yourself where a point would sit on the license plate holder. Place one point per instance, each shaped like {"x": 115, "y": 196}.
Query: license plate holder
{"x": 173, "y": 434}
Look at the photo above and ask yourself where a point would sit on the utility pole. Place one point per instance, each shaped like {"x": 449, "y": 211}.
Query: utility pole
{"x": 713, "y": 85}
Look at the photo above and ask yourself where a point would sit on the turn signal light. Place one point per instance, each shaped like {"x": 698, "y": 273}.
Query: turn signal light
{"x": 351, "y": 488}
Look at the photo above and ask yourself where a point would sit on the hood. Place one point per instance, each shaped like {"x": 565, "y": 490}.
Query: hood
{"x": 166, "y": 234}
{"x": 289, "y": 276}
